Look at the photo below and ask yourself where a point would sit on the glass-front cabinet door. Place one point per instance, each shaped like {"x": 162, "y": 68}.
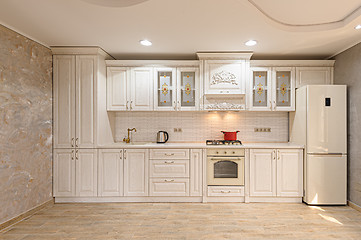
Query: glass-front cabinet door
{"x": 188, "y": 89}
{"x": 260, "y": 94}
{"x": 283, "y": 89}
{"x": 165, "y": 82}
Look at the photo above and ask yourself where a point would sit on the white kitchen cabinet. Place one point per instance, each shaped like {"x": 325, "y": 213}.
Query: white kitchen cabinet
{"x": 188, "y": 89}
{"x": 196, "y": 172}
{"x": 169, "y": 187}
{"x": 289, "y": 172}
{"x": 313, "y": 76}
{"x": 225, "y": 76}
{"x": 74, "y": 78}
{"x": 272, "y": 89}
{"x": 263, "y": 172}
{"x": 64, "y": 173}
{"x": 165, "y": 168}
{"x": 276, "y": 172}
{"x": 165, "y": 94}
{"x": 136, "y": 172}
{"x": 168, "y": 153}
{"x": 75, "y": 172}
{"x": 129, "y": 89}
{"x": 110, "y": 172}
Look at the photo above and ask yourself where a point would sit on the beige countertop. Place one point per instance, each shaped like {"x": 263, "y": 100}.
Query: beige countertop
{"x": 198, "y": 145}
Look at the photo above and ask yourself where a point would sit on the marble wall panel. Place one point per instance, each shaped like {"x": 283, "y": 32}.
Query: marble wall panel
{"x": 25, "y": 124}
{"x": 348, "y": 71}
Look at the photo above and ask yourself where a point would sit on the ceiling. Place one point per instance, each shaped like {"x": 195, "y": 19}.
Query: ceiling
{"x": 284, "y": 29}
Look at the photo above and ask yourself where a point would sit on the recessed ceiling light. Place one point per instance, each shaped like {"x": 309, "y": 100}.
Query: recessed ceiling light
{"x": 358, "y": 27}
{"x": 251, "y": 43}
{"x": 145, "y": 42}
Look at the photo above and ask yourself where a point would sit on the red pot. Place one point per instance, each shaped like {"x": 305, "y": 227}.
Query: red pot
{"x": 230, "y": 136}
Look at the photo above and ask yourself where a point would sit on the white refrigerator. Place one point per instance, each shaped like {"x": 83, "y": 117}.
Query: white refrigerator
{"x": 320, "y": 124}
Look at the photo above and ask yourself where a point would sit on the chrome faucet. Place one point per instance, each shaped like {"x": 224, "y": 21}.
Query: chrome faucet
{"x": 127, "y": 140}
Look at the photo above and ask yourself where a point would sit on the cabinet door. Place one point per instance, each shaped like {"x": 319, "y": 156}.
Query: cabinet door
{"x": 188, "y": 89}
{"x": 136, "y": 172}
{"x": 141, "y": 84}
{"x": 262, "y": 172}
{"x": 260, "y": 89}
{"x": 117, "y": 89}
{"x": 196, "y": 172}
{"x": 64, "y": 173}
{"x": 85, "y": 78}
{"x": 313, "y": 76}
{"x": 165, "y": 89}
{"x": 110, "y": 172}
{"x": 283, "y": 89}
{"x": 64, "y": 101}
{"x": 224, "y": 76}
{"x": 86, "y": 172}
{"x": 289, "y": 172}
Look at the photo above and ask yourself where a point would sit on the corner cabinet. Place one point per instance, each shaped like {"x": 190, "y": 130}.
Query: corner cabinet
{"x": 276, "y": 172}
{"x": 272, "y": 89}
{"x": 129, "y": 89}
{"x": 74, "y": 78}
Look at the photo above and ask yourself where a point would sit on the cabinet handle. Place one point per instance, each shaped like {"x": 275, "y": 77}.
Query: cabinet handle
{"x": 168, "y": 162}
{"x": 270, "y": 104}
{"x": 165, "y": 180}
{"x": 72, "y": 142}
{"x": 278, "y": 155}
{"x": 175, "y": 105}
{"x": 274, "y": 154}
{"x": 72, "y": 154}
{"x": 130, "y": 105}
{"x": 120, "y": 154}
{"x": 76, "y": 155}
{"x": 169, "y": 154}
{"x": 274, "y": 104}
{"x": 125, "y": 154}
{"x": 76, "y": 142}
{"x": 179, "y": 105}
{"x": 127, "y": 105}
{"x": 229, "y": 191}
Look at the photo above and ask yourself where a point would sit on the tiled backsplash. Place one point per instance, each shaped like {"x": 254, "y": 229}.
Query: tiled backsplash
{"x": 199, "y": 126}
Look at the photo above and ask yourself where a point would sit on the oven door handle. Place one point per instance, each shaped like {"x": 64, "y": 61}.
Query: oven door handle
{"x": 226, "y": 158}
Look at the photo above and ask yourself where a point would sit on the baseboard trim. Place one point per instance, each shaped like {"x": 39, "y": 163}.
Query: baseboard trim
{"x": 19, "y": 218}
{"x": 354, "y": 206}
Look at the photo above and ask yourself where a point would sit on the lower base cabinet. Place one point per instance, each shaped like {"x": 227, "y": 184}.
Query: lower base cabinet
{"x": 111, "y": 172}
{"x": 136, "y": 172}
{"x": 276, "y": 172}
{"x": 75, "y": 172}
{"x": 169, "y": 187}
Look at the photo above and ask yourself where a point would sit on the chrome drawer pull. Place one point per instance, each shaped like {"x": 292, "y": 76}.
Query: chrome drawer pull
{"x": 169, "y": 180}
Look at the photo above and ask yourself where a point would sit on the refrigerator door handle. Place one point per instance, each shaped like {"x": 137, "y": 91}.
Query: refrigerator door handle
{"x": 325, "y": 154}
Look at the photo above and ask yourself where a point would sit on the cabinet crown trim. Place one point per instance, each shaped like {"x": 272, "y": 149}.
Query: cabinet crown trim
{"x": 225, "y": 55}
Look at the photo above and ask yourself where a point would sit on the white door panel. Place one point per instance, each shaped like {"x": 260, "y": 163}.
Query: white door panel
{"x": 326, "y": 179}
{"x": 326, "y": 124}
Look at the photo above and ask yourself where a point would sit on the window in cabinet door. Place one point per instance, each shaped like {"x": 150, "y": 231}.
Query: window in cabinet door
{"x": 188, "y": 89}
{"x": 165, "y": 89}
{"x": 260, "y": 88}
{"x": 283, "y": 88}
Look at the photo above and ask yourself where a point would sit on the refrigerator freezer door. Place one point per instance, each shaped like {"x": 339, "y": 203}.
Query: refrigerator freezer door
{"x": 326, "y": 119}
{"x": 325, "y": 180}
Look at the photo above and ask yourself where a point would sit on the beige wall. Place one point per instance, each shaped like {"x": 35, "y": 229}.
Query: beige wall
{"x": 25, "y": 124}
{"x": 348, "y": 71}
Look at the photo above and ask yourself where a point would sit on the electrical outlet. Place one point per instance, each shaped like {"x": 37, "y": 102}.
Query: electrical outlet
{"x": 262, "y": 129}
{"x": 175, "y": 129}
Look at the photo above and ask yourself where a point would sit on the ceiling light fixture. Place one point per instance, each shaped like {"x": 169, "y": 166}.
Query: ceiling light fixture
{"x": 251, "y": 43}
{"x": 358, "y": 27}
{"x": 145, "y": 42}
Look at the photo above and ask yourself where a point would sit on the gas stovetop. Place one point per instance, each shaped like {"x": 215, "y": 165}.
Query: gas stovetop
{"x": 223, "y": 142}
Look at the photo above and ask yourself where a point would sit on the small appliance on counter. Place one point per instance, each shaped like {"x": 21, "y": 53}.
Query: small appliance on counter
{"x": 162, "y": 137}
{"x": 230, "y": 136}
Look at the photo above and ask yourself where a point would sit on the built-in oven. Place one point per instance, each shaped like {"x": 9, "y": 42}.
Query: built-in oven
{"x": 225, "y": 166}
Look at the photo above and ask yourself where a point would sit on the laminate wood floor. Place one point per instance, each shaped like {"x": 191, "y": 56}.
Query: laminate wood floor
{"x": 188, "y": 221}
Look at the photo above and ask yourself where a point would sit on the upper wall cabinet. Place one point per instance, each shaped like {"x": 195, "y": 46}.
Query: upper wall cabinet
{"x": 272, "y": 89}
{"x": 74, "y": 78}
{"x": 313, "y": 75}
{"x": 188, "y": 89}
{"x": 224, "y": 76}
{"x": 165, "y": 89}
{"x": 129, "y": 89}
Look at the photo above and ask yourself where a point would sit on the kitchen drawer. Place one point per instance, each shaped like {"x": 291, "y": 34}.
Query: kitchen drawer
{"x": 169, "y": 154}
{"x": 169, "y": 168}
{"x": 225, "y": 191}
{"x": 169, "y": 187}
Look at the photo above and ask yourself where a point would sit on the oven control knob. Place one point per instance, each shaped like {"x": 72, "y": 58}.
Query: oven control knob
{"x": 233, "y": 152}
{"x": 225, "y": 152}
{"x": 217, "y": 152}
